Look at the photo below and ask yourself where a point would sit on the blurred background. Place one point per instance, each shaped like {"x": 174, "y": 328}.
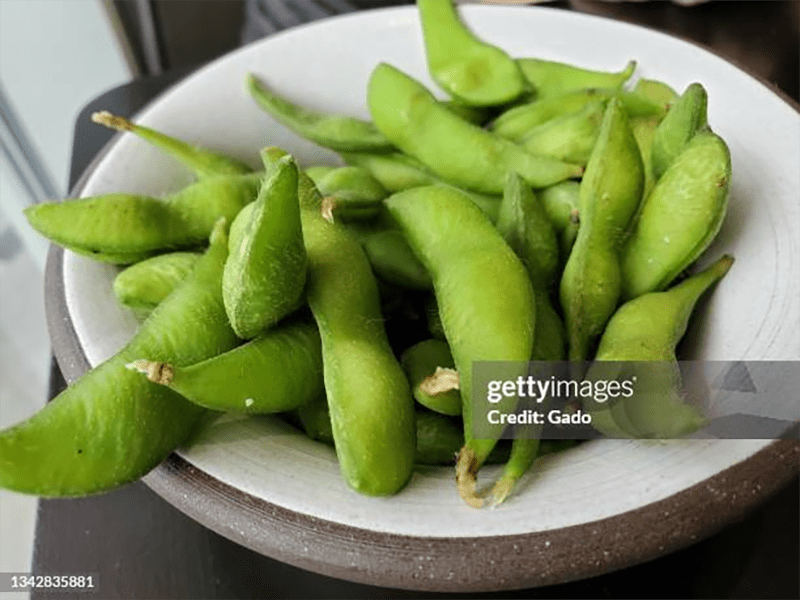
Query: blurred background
{"x": 56, "y": 55}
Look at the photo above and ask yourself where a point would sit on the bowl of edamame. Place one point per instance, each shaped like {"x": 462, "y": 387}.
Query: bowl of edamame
{"x": 259, "y": 479}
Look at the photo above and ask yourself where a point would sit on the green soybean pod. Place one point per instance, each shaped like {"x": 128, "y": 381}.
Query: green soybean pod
{"x": 398, "y": 172}
{"x": 202, "y": 161}
{"x": 524, "y": 224}
{"x": 553, "y": 78}
{"x": 144, "y": 285}
{"x": 517, "y": 121}
{"x": 609, "y": 197}
{"x": 471, "y": 70}
{"x": 265, "y": 272}
{"x": 438, "y": 438}
{"x": 125, "y": 225}
{"x": 371, "y": 407}
{"x": 680, "y": 217}
{"x": 484, "y": 295}
{"x": 317, "y": 172}
{"x": 687, "y": 116}
{"x": 351, "y": 193}
{"x": 568, "y": 137}
{"x": 452, "y": 149}
{"x": 112, "y": 426}
{"x": 431, "y": 372}
{"x": 278, "y": 371}
{"x": 394, "y": 261}
{"x": 337, "y": 132}
{"x": 648, "y": 328}
{"x": 561, "y": 202}
{"x": 395, "y": 171}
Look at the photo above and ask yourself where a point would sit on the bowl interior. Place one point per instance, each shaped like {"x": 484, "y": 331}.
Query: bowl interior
{"x": 754, "y": 314}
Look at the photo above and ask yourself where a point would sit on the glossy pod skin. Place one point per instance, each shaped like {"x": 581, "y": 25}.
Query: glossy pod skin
{"x": 278, "y": 371}
{"x": 483, "y": 292}
{"x": 609, "y": 197}
{"x": 679, "y": 218}
{"x": 337, "y": 132}
{"x": 687, "y": 116}
{"x": 467, "y": 68}
{"x": 128, "y": 226}
{"x": 112, "y": 426}
{"x": 551, "y": 78}
{"x": 372, "y": 411}
{"x": 421, "y": 362}
{"x": 265, "y": 272}
{"x": 649, "y": 328}
{"x": 144, "y": 285}
{"x": 458, "y": 152}
{"x": 202, "y": 161}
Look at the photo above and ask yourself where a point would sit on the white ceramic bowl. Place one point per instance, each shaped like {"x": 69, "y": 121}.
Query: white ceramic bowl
{"x": 602, "y": 506}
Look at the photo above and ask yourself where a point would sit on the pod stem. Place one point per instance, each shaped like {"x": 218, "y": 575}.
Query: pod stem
{"x": 157, "y": 372}
{"x": 442, "y": 381}
{"x": 466, "y": 477}
{"x": 112, "y": 121}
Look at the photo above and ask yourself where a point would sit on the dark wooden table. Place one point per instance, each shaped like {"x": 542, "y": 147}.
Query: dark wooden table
{"x": 139, "y": 546}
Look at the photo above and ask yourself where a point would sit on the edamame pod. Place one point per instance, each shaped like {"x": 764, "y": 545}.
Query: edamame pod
{"x": 265, "y": 272}
{"x": 569, "y": 137}
{"x": 144, "y": 285}
{"x": 523, "y": 223}
{"x": 560, "y": 202}
{"x": 649, "y": 328}
{"x": 458, "y": 152}
{"x": 372, "y": 411}
{"x": 431, "y": 373}
{"x": 202, "y": 161}
{"x": 609, "y": 196}
{"x": 317, "y": 172}
{"x": 398, "y": 172}
{"x": 337, "y": 132}
{"x": 687, "y": 116}
{"x": 553, "y": 78}
{"x": 112, "y": 425}
{"x": 484, "y": 295}
{"x": 278, "y": 371}
{"x": 395, "y": 171}
{"x": 438, "y": 437}
{"x": 515, "y": 123}
{"x": 475, "y": 72}
{"x": 351, "y": 193}
{"x": 680, "y": 218}
{"x": 394, "y": 262}
{"x": 124, "y": 225}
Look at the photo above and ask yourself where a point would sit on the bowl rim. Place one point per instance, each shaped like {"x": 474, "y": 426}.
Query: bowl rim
{"x": 489, "y": 563}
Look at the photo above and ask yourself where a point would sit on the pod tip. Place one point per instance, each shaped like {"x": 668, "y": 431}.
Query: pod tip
{"x": 112, "y": 121}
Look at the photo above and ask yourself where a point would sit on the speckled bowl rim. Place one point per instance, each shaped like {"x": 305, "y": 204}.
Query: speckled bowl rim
{"x": 437, "y": 564}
